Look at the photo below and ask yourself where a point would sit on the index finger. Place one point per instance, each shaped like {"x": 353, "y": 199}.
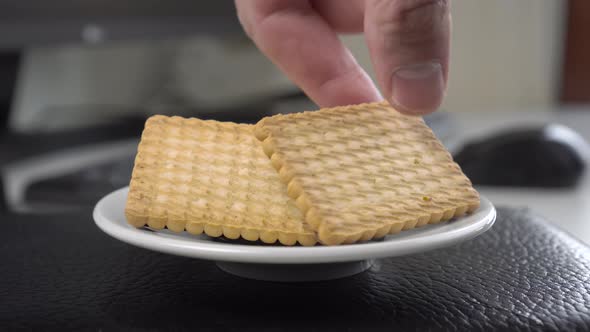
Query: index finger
{"x": 304, "y": 46}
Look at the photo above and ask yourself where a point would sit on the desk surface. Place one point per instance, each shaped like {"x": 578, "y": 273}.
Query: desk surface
{"x": 63, "y": 273}
{"x": 569, "y": 209}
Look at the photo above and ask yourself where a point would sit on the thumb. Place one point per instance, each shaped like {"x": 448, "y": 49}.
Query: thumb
{"x": 409, "y": 45}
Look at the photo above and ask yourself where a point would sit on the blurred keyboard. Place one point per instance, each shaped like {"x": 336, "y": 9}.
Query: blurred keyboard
{"x": 82, "y": 188}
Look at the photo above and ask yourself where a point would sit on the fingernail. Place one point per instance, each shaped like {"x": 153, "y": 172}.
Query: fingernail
{"x": 418, "y": 88}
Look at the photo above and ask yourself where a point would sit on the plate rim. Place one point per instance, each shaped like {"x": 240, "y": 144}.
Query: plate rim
{"x": 289, "y": 255}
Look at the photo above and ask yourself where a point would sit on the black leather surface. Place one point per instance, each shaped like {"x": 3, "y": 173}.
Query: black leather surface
{"x": 63, "y": 273}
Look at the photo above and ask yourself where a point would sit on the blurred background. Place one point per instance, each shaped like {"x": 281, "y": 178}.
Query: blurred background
{"x": 78, "y": 79}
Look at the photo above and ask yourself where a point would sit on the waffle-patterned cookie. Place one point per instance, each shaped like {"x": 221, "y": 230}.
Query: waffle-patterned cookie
{"x": 212, "y": 177}
{"x": 361, "y": 172}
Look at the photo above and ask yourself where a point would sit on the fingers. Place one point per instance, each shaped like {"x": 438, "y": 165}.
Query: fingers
{"x": 409, "y": 45}
{"x": 302, "y": 44}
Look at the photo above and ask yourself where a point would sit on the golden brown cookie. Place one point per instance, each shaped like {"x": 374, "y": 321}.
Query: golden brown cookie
{"x": 364, "y": 171}
{"x": 212, "y": 177}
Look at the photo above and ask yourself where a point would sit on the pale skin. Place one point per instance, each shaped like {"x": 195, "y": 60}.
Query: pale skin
{"x": 408, "y": 41}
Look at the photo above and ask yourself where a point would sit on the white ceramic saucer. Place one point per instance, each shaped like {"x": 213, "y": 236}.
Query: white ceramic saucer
{"x": 281, "y": 263}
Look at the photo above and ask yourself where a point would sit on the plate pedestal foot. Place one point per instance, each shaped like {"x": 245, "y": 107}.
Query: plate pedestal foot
{"x": 295, "y": 272}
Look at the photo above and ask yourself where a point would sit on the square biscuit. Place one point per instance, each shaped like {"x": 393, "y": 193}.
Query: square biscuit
{"x": 361, "y": 172}
{"x": 212, "y": 177}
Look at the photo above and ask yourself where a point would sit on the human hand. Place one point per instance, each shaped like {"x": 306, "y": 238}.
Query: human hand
{"x": 408, "y": 41}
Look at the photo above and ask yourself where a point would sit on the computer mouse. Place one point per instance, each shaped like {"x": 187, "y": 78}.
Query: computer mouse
{"x": 548, "y": 156}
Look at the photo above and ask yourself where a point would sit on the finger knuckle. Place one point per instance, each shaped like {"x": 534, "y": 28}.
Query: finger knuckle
{"x": 415, "y": 20}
